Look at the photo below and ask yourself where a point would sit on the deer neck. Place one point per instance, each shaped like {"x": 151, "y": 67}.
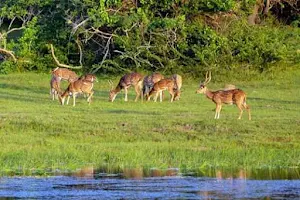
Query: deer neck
{"x": 209, "y": 94}
{"x": 117, "y": 89}
{"x": 65, "y": 94}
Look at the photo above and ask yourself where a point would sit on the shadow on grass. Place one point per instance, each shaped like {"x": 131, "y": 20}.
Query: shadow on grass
{"x": 29, "y": 89}
{"x": 27, "y": 98}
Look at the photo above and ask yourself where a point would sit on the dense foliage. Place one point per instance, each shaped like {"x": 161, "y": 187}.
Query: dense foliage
{"x": 108, "y": 36}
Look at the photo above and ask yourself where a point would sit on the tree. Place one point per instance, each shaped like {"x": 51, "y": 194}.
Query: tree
{"x": 15, "y": 15}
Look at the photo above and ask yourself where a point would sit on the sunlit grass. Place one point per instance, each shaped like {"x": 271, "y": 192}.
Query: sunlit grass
{"x": 37, "y": 133}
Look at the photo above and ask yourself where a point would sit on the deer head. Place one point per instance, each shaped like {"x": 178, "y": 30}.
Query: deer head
{"x": 202, "y": 88}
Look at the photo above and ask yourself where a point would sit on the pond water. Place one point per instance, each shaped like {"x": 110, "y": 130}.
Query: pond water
{"x": 88, "y": 184}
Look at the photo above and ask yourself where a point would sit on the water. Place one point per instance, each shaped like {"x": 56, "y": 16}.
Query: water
{"x": 104, "y": 186}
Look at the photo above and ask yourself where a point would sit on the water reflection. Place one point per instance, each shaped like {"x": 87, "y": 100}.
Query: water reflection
{"x": 257, "y": 174}
{"x": 222, "y": 184}
{"x": 139, "y": 173}
{"x": 136, "y": 173}
{"x": 86, "y": 172}
{"x": 167, "y": 187}
{"x": 218, "y": 173}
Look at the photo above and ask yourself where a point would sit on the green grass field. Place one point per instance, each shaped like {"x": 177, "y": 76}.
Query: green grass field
{"x": 38, "y": 134}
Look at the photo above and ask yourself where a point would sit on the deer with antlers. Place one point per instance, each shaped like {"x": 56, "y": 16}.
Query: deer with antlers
{"x": 164, "y": 84}
{"x": 231, "y": 96}
{"x": 149, "y": 82}
{"x": 126, "y": 81}
{"x": 83, "y": 85}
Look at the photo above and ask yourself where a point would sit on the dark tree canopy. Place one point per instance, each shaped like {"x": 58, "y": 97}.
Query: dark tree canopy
{"x": 109, "y": 36}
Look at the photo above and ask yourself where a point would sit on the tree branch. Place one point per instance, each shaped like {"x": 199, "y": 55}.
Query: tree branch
{"x": 10, "y": 53}
{"x": 11, "y": 23}
{"x": 15, "y": 29}
{"x": 80, "y": 50}
{"x": 60, "y": 64}
{"x": 104, "y": 57}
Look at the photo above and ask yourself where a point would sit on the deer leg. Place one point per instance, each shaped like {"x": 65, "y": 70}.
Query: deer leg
{"x": 241, "y": 110}
{"x": 148, "y": 97}
{"x": 171, "y": 94}
{"x": 172, "y": 97}
{"x": 140, "y": 89}
{"x": 142, "y": 95}
{"x": 90, "y": 97}
{"x": 56, "y": 94}
{"x": 248, "y": 110}
{"x": 217, "y": 114}
{"x": 220, "y": 108}
{"x": 68, "y": 99}
{"x": 160, "y": 96}
{"x": 138, "y": 92}
{"x": 74, "y": 97}
{"x": 156, "y": 96}
{"x": 62, "y": 101}
{"x": 147, "y": 93}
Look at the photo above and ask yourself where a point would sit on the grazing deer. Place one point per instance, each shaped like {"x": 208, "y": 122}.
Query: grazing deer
{"x": 164, "y": 84}
{"x": 233, "y": 96}
{"x": 149, "y": 82}
{"x": 178, "y": 81}
{"x": 83, "y": 85}
{"x": 55, "y": 87}
{"x": 65, "y": 74}
{"x": 128, "y": 80}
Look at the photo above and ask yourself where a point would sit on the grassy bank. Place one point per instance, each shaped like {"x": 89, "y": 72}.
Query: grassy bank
{"x": 37, "y": 133}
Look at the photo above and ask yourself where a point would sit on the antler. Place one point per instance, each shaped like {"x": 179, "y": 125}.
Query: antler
{"x": 207, "y": 78}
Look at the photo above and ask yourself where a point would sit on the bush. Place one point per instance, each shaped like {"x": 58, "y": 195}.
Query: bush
{"x": 7, "y": 67}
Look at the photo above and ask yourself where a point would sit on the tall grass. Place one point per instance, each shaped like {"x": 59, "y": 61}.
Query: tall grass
{"x": 37, "y": 133}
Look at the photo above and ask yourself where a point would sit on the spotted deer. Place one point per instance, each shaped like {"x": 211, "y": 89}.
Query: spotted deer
{"x": 149, "y": 82}
{"x": 64, "y": 74}
{"x": 132, "y": 79}
{"x": 55, "y": 87}
{"x": 164, "y": 84}
{"x": 178, "y": 81}
{"x": 83, "y": 85}
{"x": 230, "y": 96}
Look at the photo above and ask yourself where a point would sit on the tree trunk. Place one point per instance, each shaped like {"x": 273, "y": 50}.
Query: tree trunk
{"x": 267, "y": 7}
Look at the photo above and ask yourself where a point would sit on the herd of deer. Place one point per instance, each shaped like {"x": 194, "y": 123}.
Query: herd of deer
{"x": 145, "y": 87}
